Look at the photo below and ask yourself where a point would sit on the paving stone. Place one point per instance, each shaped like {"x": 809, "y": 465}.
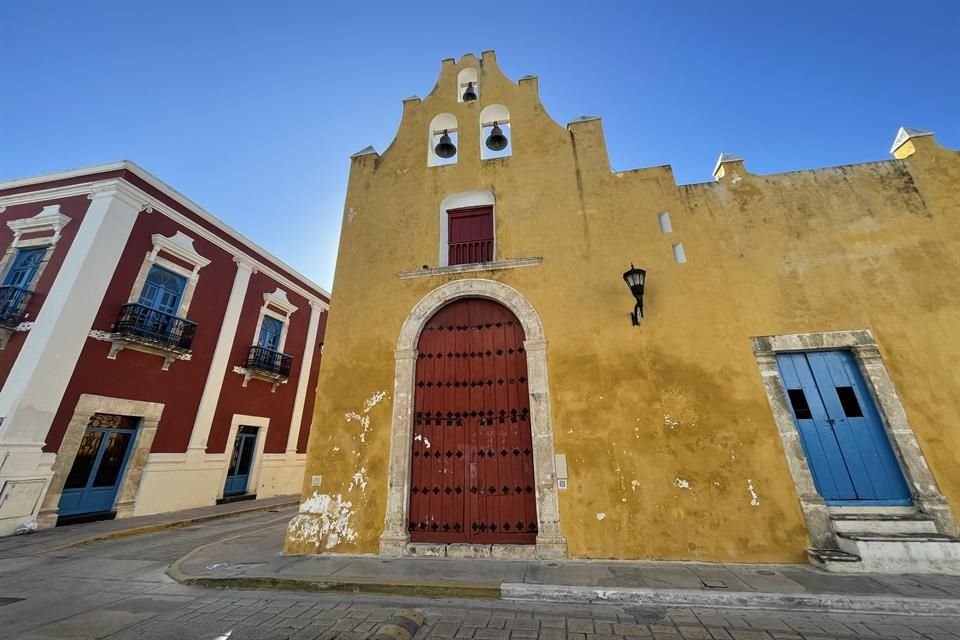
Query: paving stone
{"x": 579, "y": 625}
{"x": 552, "y": 623}
{"x": 491, "y": 634}
{"x": 636, "y": 630}
{"x": 445, "y": 629}
{"x": 523, "y": 623}
{"x": 475, "y": 620}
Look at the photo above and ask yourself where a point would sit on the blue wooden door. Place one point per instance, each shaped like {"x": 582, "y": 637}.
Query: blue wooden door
{"x": 163, "y": 290}
{"x": 270, "y": 332}
{"x": 24, "y": 267}
{"x": 241, "y": 461}
{"x": 97, "y": 471}
{"x": 840, "y": 428}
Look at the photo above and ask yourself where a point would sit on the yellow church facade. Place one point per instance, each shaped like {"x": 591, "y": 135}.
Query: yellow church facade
{"x": 780, "y": 386}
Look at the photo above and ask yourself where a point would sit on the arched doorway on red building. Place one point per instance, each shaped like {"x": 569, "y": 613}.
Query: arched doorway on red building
{"x": 472, "y": 474}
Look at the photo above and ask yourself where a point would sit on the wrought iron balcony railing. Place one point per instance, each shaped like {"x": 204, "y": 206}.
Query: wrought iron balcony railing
{"x": 139, "y": 323}
{"x": 268, "y": 361}
{"x": 13, "y": 305}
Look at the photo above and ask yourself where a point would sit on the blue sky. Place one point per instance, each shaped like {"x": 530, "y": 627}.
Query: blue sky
{"x": 253, "y": 108}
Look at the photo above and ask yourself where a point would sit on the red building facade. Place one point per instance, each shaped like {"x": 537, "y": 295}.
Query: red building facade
{"x": 151, "y": 358}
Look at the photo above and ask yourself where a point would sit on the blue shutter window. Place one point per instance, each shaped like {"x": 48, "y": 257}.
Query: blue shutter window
{"x": 163, "y": 291}
{"x": 270, "y": 331}
{"x": 24, "y": 267}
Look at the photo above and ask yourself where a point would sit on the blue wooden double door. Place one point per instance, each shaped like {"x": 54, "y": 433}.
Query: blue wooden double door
{"x": 843, "y": 437}
{"x": 241, "y": 462}
{"x": 94, "y": 479}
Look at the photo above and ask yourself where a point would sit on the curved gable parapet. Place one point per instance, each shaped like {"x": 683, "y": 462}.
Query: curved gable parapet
{"x": 493, "y": 87}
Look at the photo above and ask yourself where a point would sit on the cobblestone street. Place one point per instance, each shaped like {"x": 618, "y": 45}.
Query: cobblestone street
{"x": 119, "y": 590}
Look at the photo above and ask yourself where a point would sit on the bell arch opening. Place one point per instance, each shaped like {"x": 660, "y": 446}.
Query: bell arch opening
{"x": 396, "y": 538}
{"x": 495, "y": 132}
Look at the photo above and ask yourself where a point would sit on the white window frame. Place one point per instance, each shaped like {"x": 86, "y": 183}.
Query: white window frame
{"x": 49, "y": 219}
{"x": 478, "y": 198}
{"x": 180, "y": 246}
{"x": 278, "y": 299}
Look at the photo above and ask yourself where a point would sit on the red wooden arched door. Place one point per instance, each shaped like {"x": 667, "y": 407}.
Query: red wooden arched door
{"x": 472, "y": 456}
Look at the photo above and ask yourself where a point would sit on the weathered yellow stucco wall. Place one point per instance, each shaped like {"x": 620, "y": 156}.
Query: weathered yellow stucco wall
{"x": 672, "y": 449}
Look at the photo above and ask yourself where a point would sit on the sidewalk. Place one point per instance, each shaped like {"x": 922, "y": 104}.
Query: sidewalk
{"x": 252, "y": 560}
{"x": 47, "y": 540}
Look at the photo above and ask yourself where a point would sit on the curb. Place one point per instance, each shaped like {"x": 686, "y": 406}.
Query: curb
{"x": 175, "y": 524}
{"x": 478, "y": 590}
{"x": 822, "y": 602}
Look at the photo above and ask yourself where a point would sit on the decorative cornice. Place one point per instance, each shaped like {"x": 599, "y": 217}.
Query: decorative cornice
{"x": 181, "y": 246}
{"x": 279, "y": 300}
{"x": 143, "y": 201}
{"x": 48, "y": 218}
{"x": 470, "y": 268}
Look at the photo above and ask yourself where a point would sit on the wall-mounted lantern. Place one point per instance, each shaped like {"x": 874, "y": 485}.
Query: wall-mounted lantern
{"x": 445, "y": 148}
{"x": 635, "y": 279}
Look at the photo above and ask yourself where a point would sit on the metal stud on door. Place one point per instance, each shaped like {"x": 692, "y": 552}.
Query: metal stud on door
{"x": 472, "y": 456}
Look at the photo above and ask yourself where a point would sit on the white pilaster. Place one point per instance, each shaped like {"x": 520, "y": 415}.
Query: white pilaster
{"x": 32, "y": 393}
{"x": 221, "y": 355}
{"x": 304, "y": 381}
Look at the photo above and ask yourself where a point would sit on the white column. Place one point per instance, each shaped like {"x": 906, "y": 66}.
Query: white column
{"x": 36, "y": 384}
{"x": 221, "y": 357}
{"x": 304, "y": 380}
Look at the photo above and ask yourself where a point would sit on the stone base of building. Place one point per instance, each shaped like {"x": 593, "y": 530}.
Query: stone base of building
{"x": 168, "y": 482}
{"x": 25, "y": 473}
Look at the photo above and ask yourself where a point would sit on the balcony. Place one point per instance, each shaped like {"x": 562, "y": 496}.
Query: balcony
{"x": 266, "y": 364}
{"x": 144, "y": 329}
{"x": 470, "y": 252}
{"x": 13, "y": 305}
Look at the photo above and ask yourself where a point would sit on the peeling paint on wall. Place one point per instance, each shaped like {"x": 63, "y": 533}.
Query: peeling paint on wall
{"x": 363, "y": 418}
{"x": 601, "y": 515}
{"x": 359, "y": 479}
{"x": 323, "y": 520}
{"x": 754, "y": 498}
{"x": 670, "y": 422}
{"x": 634, "y": 484}
{"x": 680, "y": 483}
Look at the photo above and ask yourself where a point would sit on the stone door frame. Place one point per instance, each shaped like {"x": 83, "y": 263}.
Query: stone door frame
{"x": 924, "y": 490}
{"x": 87, "y": 405}
{"x": 395, "y": 540}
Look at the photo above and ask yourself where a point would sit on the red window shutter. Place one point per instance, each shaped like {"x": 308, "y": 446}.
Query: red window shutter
{"x": 470, "y": 235}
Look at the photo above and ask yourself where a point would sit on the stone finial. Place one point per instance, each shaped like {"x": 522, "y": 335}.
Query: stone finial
{"x": 904, "y": 144}
{"x": 366, "y": 151}
{"x": 730, "y": 165}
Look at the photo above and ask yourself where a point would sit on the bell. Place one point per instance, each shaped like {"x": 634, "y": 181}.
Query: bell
{"x": 469, "y": 93}
{"x": 445, "y": 148}
{"x": 496, "y": 141}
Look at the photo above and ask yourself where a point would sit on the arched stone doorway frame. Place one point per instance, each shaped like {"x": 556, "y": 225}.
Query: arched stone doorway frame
{"x": 395, "y": 540}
